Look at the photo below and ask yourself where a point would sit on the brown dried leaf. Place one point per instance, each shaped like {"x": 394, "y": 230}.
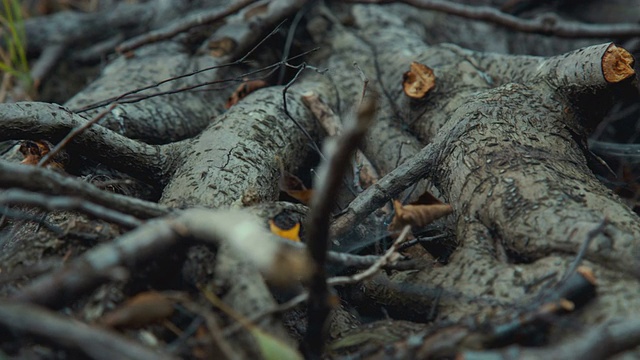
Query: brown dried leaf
{"x": 143, "y": 309}
{"x": 34, "y": 151}
{"x": 293, "y": 186}
{"x": 222, "y": 47}
{"x": 243, "y": 90}
{"x": 417, "y": 215}
{"x": 418, "y": 81}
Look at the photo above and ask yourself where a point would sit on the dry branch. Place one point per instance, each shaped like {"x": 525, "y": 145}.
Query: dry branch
{"x": 96, "y": 343}
{"x": 549, "y": 24}
{"x": 182, "y": 26}
{"x": 318, "y": 224}
{"x": 601, "y": 342}
{"x": 16, "y": 196}
{"x": 50, "y": 182}
{"x": 492, "y": 138}
{"x": 506, "y": 148}
{"x": 158, "y": 236}
{"x": 37, "y": 121}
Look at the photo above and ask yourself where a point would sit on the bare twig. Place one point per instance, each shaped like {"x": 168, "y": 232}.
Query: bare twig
{"x": 40, "y": 220}
{"x": 36, "y": 121}
{"x": 126, "y": 94}
{"x": 182, "y": 26}
{"x": 382, "y": 261}
{"x": 73, "y": 133}
{"x": 47, "y": 181}
{"x": 94, "y": 342}
{"x": 629, "y": 152}
{"x": 419, "y": 240}
{"x": 391, "y": 255}
{"x": 548, "y": 24}
{"x": 275, "y": 258}
{"x": 390, "y": 185}
{"x": 127, "y": 99}
{"x": 17, "y": 196}
{"x": 314, "y": 146}
{"x": 292, "y": 30}
{"x": 288, "y": 305}
{"x": 318, "y": 228}
{"x": 585, "y": 246}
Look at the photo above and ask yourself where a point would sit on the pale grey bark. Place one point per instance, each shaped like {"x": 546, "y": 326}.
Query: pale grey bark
{"x": 501, "y": 136}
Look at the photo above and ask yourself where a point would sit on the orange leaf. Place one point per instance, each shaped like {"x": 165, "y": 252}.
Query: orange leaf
{"x": 417, "y": 215}
{"x": 418, "y": 81}
{"x": 143, "y": 309}
{"x": 33, "y": 151}
{"x": 293, "y": 186}
{"x": 243, "y": 90}
{"x": 292, "y": 233}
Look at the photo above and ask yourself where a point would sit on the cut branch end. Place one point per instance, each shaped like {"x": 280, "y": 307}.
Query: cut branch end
{"x": 617, "y": 64}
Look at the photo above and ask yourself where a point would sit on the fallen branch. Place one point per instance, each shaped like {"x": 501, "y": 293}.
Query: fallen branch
{"x": 17, "y": 196}
{"x": 548, "y": 24}
{"x": 318, "y": 225}
{"x": 208, "y": 17}
{"x": 47, "y": 181}
{"x": 381, "y": 262}
{"x": 600, "y": 342}
{"x": 96, "y": 343}
{"x": 390, "y": 256}
{"x": 279, "y": 259}
{"x": 73, "y": 133}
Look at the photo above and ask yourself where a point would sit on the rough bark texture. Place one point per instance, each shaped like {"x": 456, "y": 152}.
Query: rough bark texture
{"x": 502, "y": 138}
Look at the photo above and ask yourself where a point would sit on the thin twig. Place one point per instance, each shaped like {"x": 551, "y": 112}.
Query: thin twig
{"x": 365, "y": 81}
{"x": 585, "y": 246}
{"x": 389, "y": 256}
{"x": 419, "y": 240}
{"x": 380, "y": 263}
{"x": 300, "y": 68}
{"x": 174, "y": 78}
{"x": 292, "y": 30}
{"x": 240, "y": 78}
{"x": 548, "y": 24}
{"x": 318, "y": 228}
{"x": 285, "y": 306}
{"x": 20, "y": 215}
{"x": 17, "y": 196}
{"x": 73, "y": 133}
{"x": 94, "y": 342}
{"x": 48, "y": 181}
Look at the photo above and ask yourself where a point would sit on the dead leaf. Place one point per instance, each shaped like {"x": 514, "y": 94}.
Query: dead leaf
{"x": 292, "y": 233}
{"x": 222, "y": 47}
{"x": 418, "y": 81}
{"x": 141, "y": 310}
{"x": 243, "y": 90}
{"x": 34, "y": 151}
{"x": 417, "y": 215}
{"x": 294, "y": 187}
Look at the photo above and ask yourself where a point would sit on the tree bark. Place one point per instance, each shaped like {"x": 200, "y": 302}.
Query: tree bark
{"x": 502, "y": 138}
